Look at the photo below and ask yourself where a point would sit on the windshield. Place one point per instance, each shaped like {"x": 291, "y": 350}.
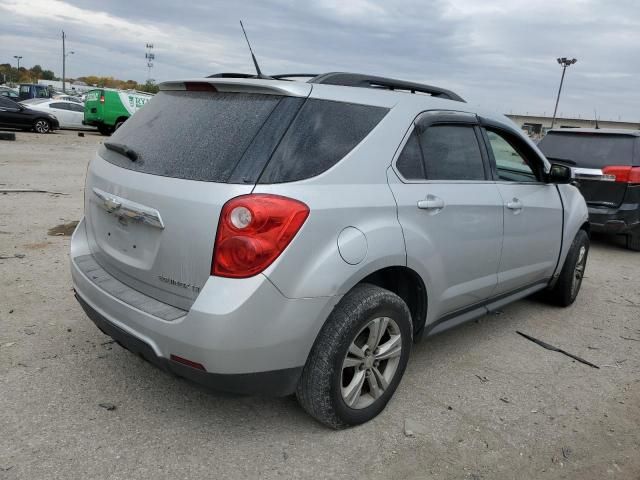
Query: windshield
{"x": 588, "y": 150}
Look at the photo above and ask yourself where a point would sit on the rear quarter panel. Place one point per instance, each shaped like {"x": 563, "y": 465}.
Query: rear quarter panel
{"x": 353, "y": 193}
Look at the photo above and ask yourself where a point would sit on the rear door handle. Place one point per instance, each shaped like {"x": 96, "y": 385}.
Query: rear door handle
{"x": 514, "y": 204}
{"x": 431, "y": 203}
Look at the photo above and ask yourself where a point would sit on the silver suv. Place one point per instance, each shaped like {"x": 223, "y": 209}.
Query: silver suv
{"x": 279, "y": 236}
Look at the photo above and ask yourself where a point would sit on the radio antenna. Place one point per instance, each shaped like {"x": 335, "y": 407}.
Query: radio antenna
{"x": 255, "y": 62}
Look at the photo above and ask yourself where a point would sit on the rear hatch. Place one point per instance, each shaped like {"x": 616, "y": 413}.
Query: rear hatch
{"x": 593, "y": 150}
{"x": 94, "y": 106}
{"x": 156, "y": 188}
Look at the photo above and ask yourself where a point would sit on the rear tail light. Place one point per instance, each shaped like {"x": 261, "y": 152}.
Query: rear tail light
{"x": 101, "y": 98}
{"x": 253, "y": 231}
{"x": 623, "y": 174}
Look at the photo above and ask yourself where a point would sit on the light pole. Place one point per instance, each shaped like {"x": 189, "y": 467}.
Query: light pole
{"x": 18, "y": 57}
{"x": 564, "y": 62}
{"x": 64, "y": 60}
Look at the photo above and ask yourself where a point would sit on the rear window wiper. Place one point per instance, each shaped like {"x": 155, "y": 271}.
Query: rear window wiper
{"x": 122, "y": 150}
{"x": 563, "y": 160}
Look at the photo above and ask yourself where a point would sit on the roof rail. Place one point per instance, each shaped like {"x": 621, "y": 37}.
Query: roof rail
{"x": 370, "y": 81}
{"x": 284, "y": 76}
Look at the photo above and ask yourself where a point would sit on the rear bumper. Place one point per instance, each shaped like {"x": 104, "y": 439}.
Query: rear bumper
{"x": 245, "y": 333}
{"x": 276, "y": 383}
{"x": 622, "y": 220}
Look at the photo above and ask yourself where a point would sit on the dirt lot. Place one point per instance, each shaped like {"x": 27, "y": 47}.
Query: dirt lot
{"x": 482, "y": 402}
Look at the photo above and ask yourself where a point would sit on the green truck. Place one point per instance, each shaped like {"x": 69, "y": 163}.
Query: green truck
{"x": 107, "y": 108}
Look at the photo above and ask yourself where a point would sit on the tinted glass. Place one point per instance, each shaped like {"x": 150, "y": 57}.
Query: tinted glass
{"x": 588, "y": 150}
{"x": 60, "y": 106}
{"x": 510, "y": 165}
{"x": 410, "y": 163}
{"x": 192, "y": 135}
{"x": 76, "y": 107}
{"x": 452, "y": 152}
{"x": 6, "y": 103}
{"x": 321, "y": 135}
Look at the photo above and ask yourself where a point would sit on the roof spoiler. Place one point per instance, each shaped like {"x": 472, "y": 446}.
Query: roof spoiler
{"x": 244, "y": 84}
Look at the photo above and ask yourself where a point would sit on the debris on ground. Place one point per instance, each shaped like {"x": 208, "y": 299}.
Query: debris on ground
{"x": 505, "y": 400}
{"x": 566, "y": 452}
{"x": 107, "y": 406}
{"x": 482, "y": 378}
{"x": 629, "y": 338}
{"x": 411, "y": 428}
{"x": 556, "y": 349}
{"x": 29, "y": 190}
{"x": 64, "y": 229}
{"x": 15, "y": 255}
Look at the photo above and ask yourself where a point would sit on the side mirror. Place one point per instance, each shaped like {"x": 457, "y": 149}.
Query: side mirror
{"x": 559, "y": 174}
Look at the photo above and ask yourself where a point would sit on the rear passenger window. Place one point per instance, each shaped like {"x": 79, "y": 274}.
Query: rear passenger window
{"x": 321, "y": 135}
{"x": 409, "y": 163}
{"x": 452, "y": 152}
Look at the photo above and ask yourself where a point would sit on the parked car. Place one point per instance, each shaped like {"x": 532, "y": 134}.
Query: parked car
{"x": 69, "y": 114}
{"x": 614, "y": 206}
{"x": 9, "y": 93}
{"x": 15, "y": 115}
{"x": 32, "y": 90}
{"x": 107, "y": 109}
{"x": 69, "y": 98}
{"x": 274, "y": 236}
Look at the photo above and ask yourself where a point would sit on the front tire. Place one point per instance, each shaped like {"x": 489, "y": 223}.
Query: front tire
{"x": 41, "y": 126}
{"x": 358, "y": 358}
{"x": 566, "y": 289}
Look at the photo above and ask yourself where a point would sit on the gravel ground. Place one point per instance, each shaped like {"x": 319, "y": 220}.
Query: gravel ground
{"x": 477, "y": 402}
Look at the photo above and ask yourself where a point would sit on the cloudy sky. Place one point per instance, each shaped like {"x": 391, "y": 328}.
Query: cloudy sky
{"x": 500, "y": 54}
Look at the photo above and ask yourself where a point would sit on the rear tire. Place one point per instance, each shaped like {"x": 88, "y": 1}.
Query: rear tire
{"x": 41, "y": 126}
{"x": 105, "y": 130}
{"x": 118, "y": 125}
{"x": 358, "y": 358}
{"x": 633, "y": 241}
{"x": 566, "y": 289}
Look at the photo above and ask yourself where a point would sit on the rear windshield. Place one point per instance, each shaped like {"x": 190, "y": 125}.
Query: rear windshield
{"x": 588, "y": 150}
{"x": 240, "y": 137}
{"x": 192, "y": 135}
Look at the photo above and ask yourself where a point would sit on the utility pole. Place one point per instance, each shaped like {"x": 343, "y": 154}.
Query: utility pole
{"x": 64, "y": 57}
{"x": 564, "y": 62}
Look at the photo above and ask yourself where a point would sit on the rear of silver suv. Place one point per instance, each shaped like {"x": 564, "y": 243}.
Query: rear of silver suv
{"x": 246, "y": 234}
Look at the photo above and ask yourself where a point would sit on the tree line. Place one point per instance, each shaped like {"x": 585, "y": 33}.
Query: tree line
{"x": 11, "y": 75}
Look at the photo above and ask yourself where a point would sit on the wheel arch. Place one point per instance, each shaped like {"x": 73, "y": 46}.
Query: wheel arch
{"x": 408, "y": 285}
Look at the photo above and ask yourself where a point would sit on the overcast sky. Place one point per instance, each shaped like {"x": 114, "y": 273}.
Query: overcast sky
{"x": 500, "y": 54}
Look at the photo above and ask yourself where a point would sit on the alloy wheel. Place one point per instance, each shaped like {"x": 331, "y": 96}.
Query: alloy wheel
{"x": 41, "y": 126}
{"x": 578, "y": 272}
{"x": 371, "y": 362}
